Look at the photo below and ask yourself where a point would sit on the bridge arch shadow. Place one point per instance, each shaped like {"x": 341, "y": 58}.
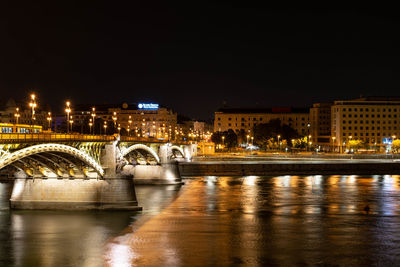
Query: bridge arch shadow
{"x": 140, "y": 148}
{"x": 41, "y": 153}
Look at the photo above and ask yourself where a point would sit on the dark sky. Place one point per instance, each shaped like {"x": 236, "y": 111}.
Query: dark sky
{"x": 192, "y": 58}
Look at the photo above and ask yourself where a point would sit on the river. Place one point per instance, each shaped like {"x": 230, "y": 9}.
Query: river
{"x": 219, "y": 221}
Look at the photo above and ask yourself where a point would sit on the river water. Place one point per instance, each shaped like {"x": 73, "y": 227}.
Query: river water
{"x": 219, "y": 221}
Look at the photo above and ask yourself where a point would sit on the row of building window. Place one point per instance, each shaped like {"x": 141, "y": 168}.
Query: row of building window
{"x": 367, "y": 122}
{"x": 367, "y": 109}
{"x": 260, "y": 119}
{"x": 372, "y": 115}
{"x": 362, "y": 134}
{"x": 372, "y": 128}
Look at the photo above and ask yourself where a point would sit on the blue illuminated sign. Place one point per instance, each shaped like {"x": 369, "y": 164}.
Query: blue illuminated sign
{"x": 387, "y": 141}
{"x": 148, "y": 106}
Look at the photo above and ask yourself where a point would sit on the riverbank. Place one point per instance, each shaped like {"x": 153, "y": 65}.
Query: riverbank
{"x": 285, "y": 166}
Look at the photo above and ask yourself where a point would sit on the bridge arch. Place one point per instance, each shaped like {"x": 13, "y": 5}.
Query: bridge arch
{"x": 43, "y": 148}
{"x": 180, "y": 150}
{"x": 141, "y": 147}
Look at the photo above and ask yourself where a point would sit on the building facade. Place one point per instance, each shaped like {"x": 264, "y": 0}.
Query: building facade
{"x": 373, "y": 120}
{"x": 129, "y": 119}
{"x": 13, "y": 113}
{"x": 320, "y": 124}
{"x": 239, "y": 119}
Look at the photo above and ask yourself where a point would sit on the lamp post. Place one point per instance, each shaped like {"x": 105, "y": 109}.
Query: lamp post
{"x": 49, "y": 120}
{"x": 105, "y": 127}
{"x": 247, "y": 143}
{"x": 71, "y": 121}
{"x": 17, "y": 115}
{"x": 333, "y": 143}
{"x": 33, "y": 105}
{"x": 308, "y": 132}
{"x": 223, "y": 141}
{"x": 129, "y": 123}
{"x": 279, "y": 137}
{"x": 90, "y": 126}
{"x": 252, "y": 139}
{"x": 68, "y": 110}
{"x": 114, "y": 117}
{"x": 94, "y": 116}
{"x": 119, "y": 128}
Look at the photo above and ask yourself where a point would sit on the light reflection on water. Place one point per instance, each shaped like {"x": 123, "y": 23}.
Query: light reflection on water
{"x": 219, "y": 221}
{"x": 285, "y": 220}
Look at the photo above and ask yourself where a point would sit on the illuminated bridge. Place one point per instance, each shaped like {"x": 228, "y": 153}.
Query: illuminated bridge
{"x": 86, "y": 171}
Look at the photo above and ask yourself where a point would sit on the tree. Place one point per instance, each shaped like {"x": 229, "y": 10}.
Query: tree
{"x": 230, "y": 138}
{"x": 241, "y": 137}
{"x": 396, "y": 145}
{"x": 355, "y": 144}
{"x": 274, "y": 128}
{"x": 216, "y": 137}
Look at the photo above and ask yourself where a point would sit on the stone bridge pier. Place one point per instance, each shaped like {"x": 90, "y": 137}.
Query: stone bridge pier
{"x": 105, "y": 191}
{"x": 166, "y": 172}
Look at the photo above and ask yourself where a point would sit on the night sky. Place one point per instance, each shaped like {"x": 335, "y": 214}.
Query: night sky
{"x": 193, "y": 58}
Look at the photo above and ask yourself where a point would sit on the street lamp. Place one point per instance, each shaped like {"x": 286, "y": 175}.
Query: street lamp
{"x": 129, "y": 123}
{"x": 252, "y": 138}
{"x": 248, "y": 136}
{"x": 114, "y": 117}
{"x": 119, "y": 128}
{"x": 223, "y": 140}
{"x": 279, "y": 137}
{"x": 105, "y": 127}
{"x": 49, "y": 119}
{"x": 333, "y": 143}
{"x": 94, "y": 116}
{"x": 33, "y": 105}
{"x": 68, "y": 110}
{"x": 71, "y": 121}
{"x": 17, "y": 115}
{"x": 90, "y": 125}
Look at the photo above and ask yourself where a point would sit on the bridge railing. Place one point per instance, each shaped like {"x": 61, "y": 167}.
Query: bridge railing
{"x": 6, "y": 138}
{"x": 52, "y": 137}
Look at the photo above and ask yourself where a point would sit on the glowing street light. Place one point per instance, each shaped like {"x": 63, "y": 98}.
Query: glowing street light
{"x": 68, "y": 111}
{"x": 90, "y": 125}
{"x": 114, "y": 117}
{"x": 94, "y": 117}
{"x": 33, "y": 105}
{"x": 71, "y": 121}
{"x": 17, "y": 115}
{"x": 119, "y": 128}
{"x": 248, "y": 136}
{"x": 105, "y": 127}
{"x": 129, "y": 123}
{"x": 49, "y": 119}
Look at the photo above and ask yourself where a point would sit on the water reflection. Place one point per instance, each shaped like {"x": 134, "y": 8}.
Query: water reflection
{"x": 284, "y": 220}
{"x": 58, "y": 238}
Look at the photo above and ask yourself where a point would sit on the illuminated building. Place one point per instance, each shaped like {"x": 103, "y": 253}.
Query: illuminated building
{"x": 142, "y": 120}
{"x": 9, "y": 111}
{"x": 373, "y": 120}
{"x": 246, "y": 118}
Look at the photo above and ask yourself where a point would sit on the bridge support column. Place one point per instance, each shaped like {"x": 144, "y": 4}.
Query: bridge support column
{"x": 190, "y": 151}
{"x": 74, "y": 194}
{"x": 113, "y": 192}
{"x": 166, "y": 173}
